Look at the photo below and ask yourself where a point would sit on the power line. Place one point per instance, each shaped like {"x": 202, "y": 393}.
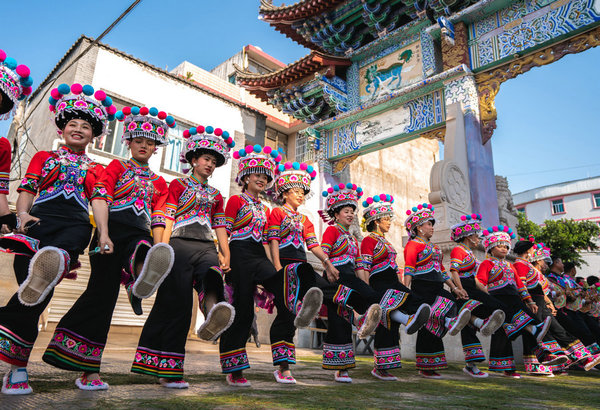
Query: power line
{"x": 552, "y": 170}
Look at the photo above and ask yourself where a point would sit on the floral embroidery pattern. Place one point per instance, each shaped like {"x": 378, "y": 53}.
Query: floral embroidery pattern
{"x": 473, "y": 352}
{"x": 431, "y": 361}
{"x": 13, "y": 349}
{"x": 234, "y": 360}
{"x": 338, "y": 357}
{"x": 388, "y": 358}
{"x": 160, "y": 364}
{"x": 74, "y": 351}
{"x": 283, "y": 352}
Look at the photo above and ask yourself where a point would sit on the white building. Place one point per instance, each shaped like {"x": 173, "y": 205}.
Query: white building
{"x": 578, "y": 200}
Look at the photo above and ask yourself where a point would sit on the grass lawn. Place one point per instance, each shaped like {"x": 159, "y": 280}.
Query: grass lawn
{"x": 317, "y": 390}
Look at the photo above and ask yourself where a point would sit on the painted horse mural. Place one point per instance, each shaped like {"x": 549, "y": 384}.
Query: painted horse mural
{"x": 385, "y": 81}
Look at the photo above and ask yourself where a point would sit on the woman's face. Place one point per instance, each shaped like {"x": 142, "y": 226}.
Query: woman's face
{"x": 204, "y": 165}
{"x": 345, "y": 216}
{"x": 473, "y": 239}
{"x": 499, "y": 251}
{"x": 294, "y": 197}
{"x": 425, "y": 230}
{"x": 256, "y": 183}
{"x": 384, "y": 224}
{"x": 142, "y": 149}
{"x": 77, "y": 134}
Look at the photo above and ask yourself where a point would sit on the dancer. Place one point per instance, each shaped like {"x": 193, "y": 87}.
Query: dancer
{"x": 128, "y": 203}
{"x": 378, "y": 262}
{"x": 52, "y": 208}
{"x": 193, "y": 210}
{"x": 15, "y": 85}
{"x": 425, "y": 275}
{"x": 502, "y": 282}
{"x": 486, "y": 313}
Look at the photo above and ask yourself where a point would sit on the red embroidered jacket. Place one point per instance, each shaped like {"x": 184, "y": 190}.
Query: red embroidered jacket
{"x": 246, "y": 218}
{"x": 500, "y": 276}
{"x": 423, "y": 261}
{"x": 530, "y": 276}
{"x": 293, "y": 230}
{"x": 377, "y": 254}
{"x": 341, "y": 246}
{"x": 463, "y": 261}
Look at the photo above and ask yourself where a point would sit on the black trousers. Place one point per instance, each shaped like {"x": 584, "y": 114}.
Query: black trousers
{"x": 19, "y": 323}
{"x": 161, "y": 348}
{"x": 249, "y": 267}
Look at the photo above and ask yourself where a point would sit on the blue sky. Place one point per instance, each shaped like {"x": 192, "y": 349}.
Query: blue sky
{"x": 548, "y": 128}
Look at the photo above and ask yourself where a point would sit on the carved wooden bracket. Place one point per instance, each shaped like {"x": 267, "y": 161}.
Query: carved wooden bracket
{"x": 437, "y": 134}
{"x": 488, "y": 83}
{"x": 340, "y": 165}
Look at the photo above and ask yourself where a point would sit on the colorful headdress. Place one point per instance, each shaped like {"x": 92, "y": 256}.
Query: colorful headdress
{"x": 257, "y": 160}
{"x": 497, "y": 235}
{"x": 15, "y": 84}
{"x": 523, "y": 245}
{"x": 377, "y": 207}
{"x": 145, "y": 122}
{"x": 339, "y": 196}
{"x": 469, "y": 225}
{"x": 541, "y": 252}
{"x": 76, "y": 102}
{"x": 294, "y": 175}
{"x": 418, "y": 215}
{"x": 212, "y": 140}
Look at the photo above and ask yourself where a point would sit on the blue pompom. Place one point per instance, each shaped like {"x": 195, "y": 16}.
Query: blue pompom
{"x": 296, "y": 165}
{"x": 135, "y": 110}
{"x": 415, "y": 209}
{"x": 376, "y": 198}
{"x": 193, "y": 131}
{"x": 153, "y": 111}
{"x": 10, "y": 63}
{"x": 27, "y": 82}
{"x": 500, "y": 227}
{"x": 432, "y": 209}
{"x": 274, "y": 153}
{"x": 52, "y": 101}
{"x": 107, "y": 101}
{"x": 365, "y": 204}
{"x": 281, "y": 168}
{"x": 119, "y": 115}
{"x": 232, "y": 144}
{"x": 111, "y": 117}
{"x": 349, "y": 185}
{"x": 170, "y": 120}
{"x": 209, "y": 130}
{"x": 425, "y": 204}
{"x": 87, "y": 90}
{"x": 225, "y": 135}
{"x": 257, "y": 148}
{"x": 310, "y": 169}
{"x": 388, "y": 198}
{"x": 359, "y": 189}
{"x": 336, "y": 188}
{"x": 242, "y": 152}
{"x": 468, "y": 217}
{"x": 64, "y": 89}
{"x": 324, "y": 193}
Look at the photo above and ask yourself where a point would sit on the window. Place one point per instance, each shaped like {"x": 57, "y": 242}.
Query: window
{"x": 232, "y": 79}
{"x": 596, "y": 199}
{"x": 558, "y": 207}
{"x": 276, "y": 140}
{"x": 110, "y": 143}
{"x": 304, "y": 149}
{"x": 174, "y": 148}
{"x": 521, "y": 209}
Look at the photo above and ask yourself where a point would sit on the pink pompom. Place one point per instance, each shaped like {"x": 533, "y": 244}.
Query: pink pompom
{"x": 495, "y": 229}
{"x": 249, "y": 149}
{"x": 236, "y": 155}
{"x": 341, "y": 186}
{"x": 474, "y": 216}
{"x": 229, "y": 141}
{"x": 486, "y": 232}
{"x": 200, "y": 129}
{"x": 23, "y": 70}
{"x": 218, "y": 132}
{"x": 429, "y": 206}
{"x": 369, "y": 201}
{"x": 186, "y": 134}
{"x": 162, "y": 115}
{"x": 506, "y": 228}
{"x": 267, "y": 149}
{"x": 278, "y": 159}
{"x": 76, "y": 89}
{"x": 112, "y": 110}
{"x": 303, "y": 166}
{"x": 144, "y": 111}
{"x": 408, "y": 212}
{"x": 419, "y": 206}
{"x": 597, "y": 284}
{"x": 463, "y": 218}
{"x": 27, "y": 90}
{"x": 354, "y": 186}
{"x": 391, "y": 198}
{"x": 288, "y": 165}
{"x": 330, "y": 190}
{"x": 52, "y": 108}
{"x": 382, "y": 197}
{"x": 313, "y": 174}
{"x": 2, "y": 55}
{"x": 100, "y": 95}
{"x": 55, "y": 94}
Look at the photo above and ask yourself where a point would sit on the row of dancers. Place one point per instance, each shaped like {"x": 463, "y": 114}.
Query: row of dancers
{"x": 153, "y": 237}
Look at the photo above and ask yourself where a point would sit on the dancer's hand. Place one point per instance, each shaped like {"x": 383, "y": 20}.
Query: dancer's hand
{"x": 461, "y": 294}
{"x": 278, "y": 266}
{"x": 105, "y": 244}
{"x": 224, "y": 261}
{"x": 332, "y": 273}
{"x": 534, "y": 308}
{"x": 23, "y": 220}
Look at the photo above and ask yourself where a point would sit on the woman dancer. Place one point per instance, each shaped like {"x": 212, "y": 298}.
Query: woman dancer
{"x": 486, "y": 313}
{"x": 128, "y": 203}
{"x": 378, "y": 262}
{"x": 52, "y": 208}
{"x": 425, "y": 275}
{"x": 193, "y": 210}
{"x": 503, "y": 283}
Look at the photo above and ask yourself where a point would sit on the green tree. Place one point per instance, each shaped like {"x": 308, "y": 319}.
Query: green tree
{"x": 565, "y": 237}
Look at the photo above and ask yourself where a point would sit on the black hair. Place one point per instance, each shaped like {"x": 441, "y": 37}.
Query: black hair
{"x": 95, "y": 123}
{"x": 371, "y": 226}
{"x": 197, "y": 153}
{"x": 592, "y": 280}
{"x": 568, "y": 266}
{"x": 337, "y": 210}
{"x": 7, "y": 103}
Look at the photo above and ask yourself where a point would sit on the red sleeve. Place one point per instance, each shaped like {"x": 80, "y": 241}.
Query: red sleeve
{"x": 159, "y": 201}
{"x": 457, "y": 256}
{"x": 176, "y": 188}
{"x": 231, "y": 209}
{"x": 218, "y": 215}
{"x": 411, "y": 252}
{"x": 105, "y": 184}
{"x": 483, "y": 272}
{"x": 521, "y": 288}
{"x": 521, "y": 270}
{"x": 93, "y": 174}
{"x": 31, "y": 181}
{"x": 329, "y": 237}
{"x": 310, "y": 238}
{"x": 274, "y": 223}
{"x": 367, "y": 249}
{"x": 5, "y": 151}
